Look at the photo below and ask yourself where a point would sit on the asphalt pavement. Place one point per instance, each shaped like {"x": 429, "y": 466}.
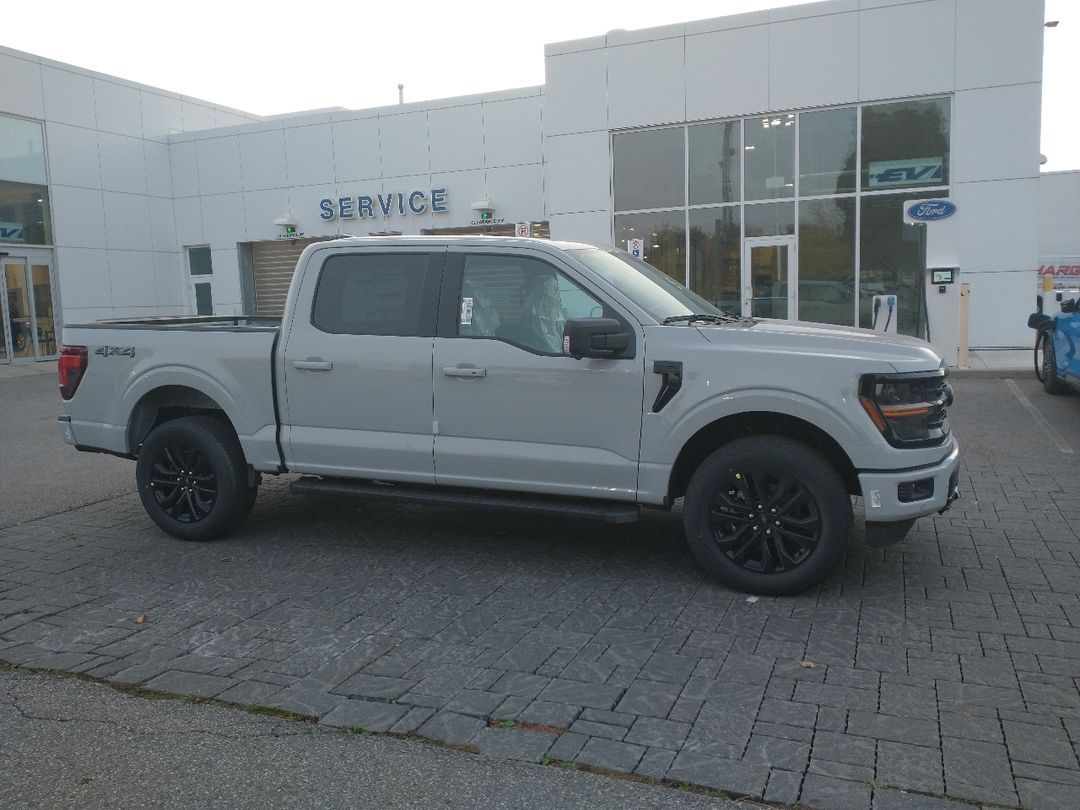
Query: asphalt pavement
{"x": 70, "y": 744}
{"x": 39, "y": 474}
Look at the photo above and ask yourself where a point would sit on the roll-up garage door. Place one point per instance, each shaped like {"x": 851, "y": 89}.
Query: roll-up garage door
{"x": 272, "y": 265}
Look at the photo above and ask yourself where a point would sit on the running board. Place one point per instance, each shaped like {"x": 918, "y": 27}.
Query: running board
{"x": 606, "y": 511}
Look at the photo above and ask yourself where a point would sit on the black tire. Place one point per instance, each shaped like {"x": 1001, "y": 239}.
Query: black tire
{"x": 802, "y": 495}
{"x": 1052, "y": 384}
{"x": 192, "y": 478}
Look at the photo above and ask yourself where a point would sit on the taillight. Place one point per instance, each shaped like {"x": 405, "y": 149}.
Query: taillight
{"x": 71, "y": 367}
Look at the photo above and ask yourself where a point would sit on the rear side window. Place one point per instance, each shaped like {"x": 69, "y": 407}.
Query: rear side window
{"x": 378, "y": 294}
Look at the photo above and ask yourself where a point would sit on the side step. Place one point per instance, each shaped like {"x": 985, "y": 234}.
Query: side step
{"x": 606, "y": 511}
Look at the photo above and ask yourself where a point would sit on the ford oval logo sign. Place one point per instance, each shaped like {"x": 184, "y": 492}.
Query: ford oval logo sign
{"x": 931, "y": 210}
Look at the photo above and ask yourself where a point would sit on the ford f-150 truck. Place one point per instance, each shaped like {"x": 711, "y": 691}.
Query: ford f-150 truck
{"x": 550, "y": 377}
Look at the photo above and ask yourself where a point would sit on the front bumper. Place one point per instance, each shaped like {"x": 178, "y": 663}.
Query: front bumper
{"x": 881, "y": 490}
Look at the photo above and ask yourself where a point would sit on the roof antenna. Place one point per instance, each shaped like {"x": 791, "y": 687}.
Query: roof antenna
{"x": 401, "y": 94}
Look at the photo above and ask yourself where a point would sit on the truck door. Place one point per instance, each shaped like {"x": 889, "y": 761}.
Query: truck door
{"x": 513, "y": 412}
{"x": 357, "y": 365}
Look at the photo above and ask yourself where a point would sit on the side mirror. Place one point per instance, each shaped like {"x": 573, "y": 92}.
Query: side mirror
{"x": 1040, "y": 321}
{"x": 595, "y": 337}
{"x": 1068, "y": 306}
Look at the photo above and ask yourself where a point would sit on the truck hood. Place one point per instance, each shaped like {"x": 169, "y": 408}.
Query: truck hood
{"x": 903, "y": 353}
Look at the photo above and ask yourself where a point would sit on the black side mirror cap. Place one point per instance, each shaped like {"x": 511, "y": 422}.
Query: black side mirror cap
{"x": 596, "y": 337}
{"x": 1041, "y": 322}
{"x": 1069, "y": 305}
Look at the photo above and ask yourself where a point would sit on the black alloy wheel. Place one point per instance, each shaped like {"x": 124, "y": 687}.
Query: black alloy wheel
{"x": 767, "y": 514}
{"x": 183, "y": 482}
{"x": 765, "y": 520}
{"x": 193, "y": 478}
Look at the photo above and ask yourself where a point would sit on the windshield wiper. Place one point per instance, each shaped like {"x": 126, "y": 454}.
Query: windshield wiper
{"x": 722, "y": 317}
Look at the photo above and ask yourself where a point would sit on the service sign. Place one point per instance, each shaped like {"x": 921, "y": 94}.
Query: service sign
{"x": 402, "y": 203}
{"x": 928, "y": 210}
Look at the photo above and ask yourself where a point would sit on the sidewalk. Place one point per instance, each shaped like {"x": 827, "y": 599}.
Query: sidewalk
{"x": 990, "y": 363}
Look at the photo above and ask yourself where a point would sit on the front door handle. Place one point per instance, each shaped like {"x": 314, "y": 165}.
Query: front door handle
{"x": 313, "y": 364}
{"x": 463, "y": 371}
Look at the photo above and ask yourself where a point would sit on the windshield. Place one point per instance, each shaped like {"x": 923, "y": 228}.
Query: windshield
{"x": 656, "y": 293}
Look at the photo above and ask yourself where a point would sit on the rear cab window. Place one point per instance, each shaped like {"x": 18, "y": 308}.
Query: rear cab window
{"x": 378, "y": 294}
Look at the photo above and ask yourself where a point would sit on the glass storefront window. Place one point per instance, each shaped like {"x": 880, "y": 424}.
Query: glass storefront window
{"x": 24, "y": 214}
{"x": 827, "y": 261}
{"x": 769, "y": 155}
{"x": 22, "y": 151}
{"x": 24, "y": 193}
{"x": 890, "y": 261}
{"x": 770, "y": 219}
{"x": 665, "y": 239}
{"x": 715, "y": 151}
{"x": 650, "y": 169}
{"x": 827, "y": 152}
{"x": 905, "y": 144}
{"x": 715, "y": 256}
{"x": 856, "y": 165}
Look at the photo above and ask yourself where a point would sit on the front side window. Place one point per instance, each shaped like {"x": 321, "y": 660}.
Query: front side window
{"x": 377, "y": 294}
{"x": 520, "y": 300}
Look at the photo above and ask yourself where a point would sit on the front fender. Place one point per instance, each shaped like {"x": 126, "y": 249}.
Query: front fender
{"x": 664, "y": 435}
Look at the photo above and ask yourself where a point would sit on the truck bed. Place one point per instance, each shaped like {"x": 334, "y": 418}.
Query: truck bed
{"x": 137, "y": 366}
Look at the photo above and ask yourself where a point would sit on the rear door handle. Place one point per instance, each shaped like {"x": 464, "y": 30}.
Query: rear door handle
{"x": 460, "y": 371}
{"x": 314, "y": 364}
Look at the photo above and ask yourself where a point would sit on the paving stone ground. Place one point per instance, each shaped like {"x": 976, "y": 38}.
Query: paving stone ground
{"x": 945, "y": 668}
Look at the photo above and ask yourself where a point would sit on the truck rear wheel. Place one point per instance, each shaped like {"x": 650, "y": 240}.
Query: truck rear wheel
{"x": 768, "y": 515}
{"x": 192, "y": 478}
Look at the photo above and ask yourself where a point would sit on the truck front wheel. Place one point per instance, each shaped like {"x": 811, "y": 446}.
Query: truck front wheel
{"x": 192, "y": 478}
{"x": 768, "y": 515}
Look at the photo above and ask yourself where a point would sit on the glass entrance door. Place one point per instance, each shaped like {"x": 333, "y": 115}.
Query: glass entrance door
{"x": 29, "y": 329}
{"x": 770, "y": 277}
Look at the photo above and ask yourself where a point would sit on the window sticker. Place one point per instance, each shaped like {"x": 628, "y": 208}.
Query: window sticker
{"x": 466, "y": 311}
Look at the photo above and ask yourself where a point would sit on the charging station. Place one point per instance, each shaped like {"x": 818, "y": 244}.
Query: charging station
{"x": 942, "y": 316}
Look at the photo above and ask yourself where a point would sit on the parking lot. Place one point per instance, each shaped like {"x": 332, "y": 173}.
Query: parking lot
{"x": 942, "y": 669}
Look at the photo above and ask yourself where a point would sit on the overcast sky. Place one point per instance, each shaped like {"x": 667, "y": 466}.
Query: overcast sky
{"x": 270, "y": 57}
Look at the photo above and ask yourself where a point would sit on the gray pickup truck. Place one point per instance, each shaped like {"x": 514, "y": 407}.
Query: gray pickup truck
{"x": 548, "y": 377}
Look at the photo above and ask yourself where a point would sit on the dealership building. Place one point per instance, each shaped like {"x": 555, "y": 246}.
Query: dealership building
{"x": 763, "y": 159}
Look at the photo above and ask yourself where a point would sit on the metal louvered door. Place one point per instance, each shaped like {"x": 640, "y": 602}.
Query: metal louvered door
{"x": 272, "y": 265}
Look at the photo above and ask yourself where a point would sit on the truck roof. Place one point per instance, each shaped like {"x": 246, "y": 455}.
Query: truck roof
{"x": 435, "y": 239}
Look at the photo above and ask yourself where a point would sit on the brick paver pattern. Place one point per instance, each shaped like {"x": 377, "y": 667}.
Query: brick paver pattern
{"x": 947, "y": 666}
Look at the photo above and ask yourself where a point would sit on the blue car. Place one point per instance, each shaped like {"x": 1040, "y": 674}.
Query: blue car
{"x": 1057, "y": 347}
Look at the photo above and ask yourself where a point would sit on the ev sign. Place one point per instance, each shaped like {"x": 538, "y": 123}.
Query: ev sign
{"x": 636, "y": 248}
{"x": 523, "y": 229}
{"x": 11, "y": 232}
{"x": 912, "y": 172}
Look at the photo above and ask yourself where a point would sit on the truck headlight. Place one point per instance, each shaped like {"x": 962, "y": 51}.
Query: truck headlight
{"x": 910, "y": 410}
